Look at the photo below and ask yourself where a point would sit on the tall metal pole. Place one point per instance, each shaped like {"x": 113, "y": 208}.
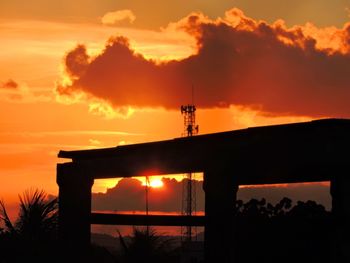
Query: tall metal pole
{"x": 147, "y": 207}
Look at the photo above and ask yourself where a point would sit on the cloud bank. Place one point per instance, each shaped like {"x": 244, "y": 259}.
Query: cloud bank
{"x": 129, "y": 195}
{"x": 302, "y": 70}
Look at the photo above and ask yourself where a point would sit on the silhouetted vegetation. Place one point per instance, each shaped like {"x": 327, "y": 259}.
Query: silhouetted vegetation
{"x": 262, "y": 209}
{"x": 34, "y": 234}
{"x": 37, "y": 219}
{"x": 145, "y": 245}
{"x": 282, "y": 232}
{"x": 265, "y": 233}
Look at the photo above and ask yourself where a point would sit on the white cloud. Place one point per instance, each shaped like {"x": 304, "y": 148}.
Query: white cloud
{"x": 347, "y": 9}
{"x": 112, "y": 18}
{"x": 105, "y": 109}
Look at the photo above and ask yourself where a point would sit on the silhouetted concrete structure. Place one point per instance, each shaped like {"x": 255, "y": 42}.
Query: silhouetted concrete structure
{"x": 301, "y": 152}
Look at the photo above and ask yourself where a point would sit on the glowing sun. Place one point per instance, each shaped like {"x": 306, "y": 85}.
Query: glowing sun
{"x": 154, "y": 183}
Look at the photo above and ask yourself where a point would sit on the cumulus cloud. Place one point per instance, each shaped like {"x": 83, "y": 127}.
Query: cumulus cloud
{"x": 112, "y": 18}
{"x": 77, "y": 61}
{"x": 302, "y": 70}
{"x": 9, "y": 84}
{"x": 129, "y": 195}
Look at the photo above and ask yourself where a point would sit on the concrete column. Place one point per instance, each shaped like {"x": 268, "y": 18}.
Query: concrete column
{"x": 74, "y": 205}
{"x": 220, "y": 196}
{"x": 341, "y": 212}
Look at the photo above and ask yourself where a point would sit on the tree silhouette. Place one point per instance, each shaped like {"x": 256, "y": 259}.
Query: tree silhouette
{"x": 146, "y": 246}
{"x": 282, "y": 232}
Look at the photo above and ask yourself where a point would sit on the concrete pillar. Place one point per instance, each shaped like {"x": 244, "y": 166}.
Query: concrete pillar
{"x": 341, "y": 213}
{"x": 74, "y": 205}
{"x": 220, "y": 196}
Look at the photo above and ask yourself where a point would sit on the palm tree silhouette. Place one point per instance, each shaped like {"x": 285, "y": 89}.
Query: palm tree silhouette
{"x": 37, "y": 218}
{"x": 32, "y": 236}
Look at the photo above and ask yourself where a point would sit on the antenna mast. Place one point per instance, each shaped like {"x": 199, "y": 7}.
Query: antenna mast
{"x": 189, "y": 188}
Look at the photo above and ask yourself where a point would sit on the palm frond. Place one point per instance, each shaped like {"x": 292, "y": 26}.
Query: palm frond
{"x": 5, "y": 218}
{"x": 38, "y": 216}
{"x": 122, "y": 242}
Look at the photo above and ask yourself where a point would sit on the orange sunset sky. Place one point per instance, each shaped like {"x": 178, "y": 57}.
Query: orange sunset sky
{"x": 100, "y": 73}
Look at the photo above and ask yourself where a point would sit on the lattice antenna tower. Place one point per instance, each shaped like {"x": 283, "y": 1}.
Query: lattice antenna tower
{"x": 188, "y": 184}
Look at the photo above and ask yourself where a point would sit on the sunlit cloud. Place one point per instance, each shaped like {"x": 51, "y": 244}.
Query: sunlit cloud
{"x": 113, "y": 18}
{"x": 239, "y": 61}
{"x": 251, "y": 117}
{"x": 95, "y": 142}
{"x": 347, "y": 10}
{"x": 95, "y": 105}
{"x": 103, "y": 108}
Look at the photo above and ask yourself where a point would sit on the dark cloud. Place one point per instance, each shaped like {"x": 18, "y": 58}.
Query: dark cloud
{"x": 9, "y": 84}
{"x": 250, "y": 63}
{"x": 77, "y": 61}
{"x": 129, "y": 195}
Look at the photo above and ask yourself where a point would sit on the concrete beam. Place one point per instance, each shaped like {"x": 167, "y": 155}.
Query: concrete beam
{"x": 144, "y": 220}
